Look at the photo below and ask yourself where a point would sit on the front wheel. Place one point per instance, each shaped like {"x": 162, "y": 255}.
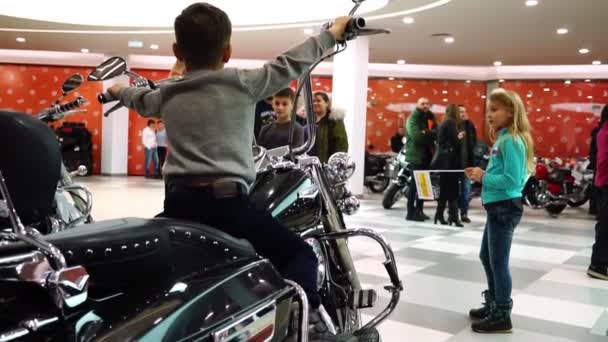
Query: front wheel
{"x": 391, "y": 195}
{"x": 554, "y": 209}
{"x": 378, "y": 185}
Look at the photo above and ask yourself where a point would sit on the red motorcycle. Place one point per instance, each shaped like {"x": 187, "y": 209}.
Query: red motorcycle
{"x": 557, "y": 185}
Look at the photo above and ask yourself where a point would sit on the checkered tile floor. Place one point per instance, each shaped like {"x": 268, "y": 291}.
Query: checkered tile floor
{"x": 554, "y": 299}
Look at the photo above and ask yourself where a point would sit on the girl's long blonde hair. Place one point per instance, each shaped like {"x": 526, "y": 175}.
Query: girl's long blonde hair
{"x": 511, "y": 101}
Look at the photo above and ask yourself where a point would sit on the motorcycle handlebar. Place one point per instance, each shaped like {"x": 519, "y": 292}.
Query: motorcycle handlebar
{"x": 105, "y": 97}
{"x": 47, "y": 114}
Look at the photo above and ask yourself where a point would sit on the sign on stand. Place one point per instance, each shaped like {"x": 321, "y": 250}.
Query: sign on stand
{"x": 424, "y": 185}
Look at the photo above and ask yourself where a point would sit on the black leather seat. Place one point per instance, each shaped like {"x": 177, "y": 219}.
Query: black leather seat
{"x": 30, "y": 163}
{"x": 128, "y": 250}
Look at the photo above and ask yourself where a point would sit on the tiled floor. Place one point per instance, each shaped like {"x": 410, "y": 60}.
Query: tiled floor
{"x": 554, "y": 299}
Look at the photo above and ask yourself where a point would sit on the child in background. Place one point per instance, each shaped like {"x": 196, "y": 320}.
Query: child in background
{"x": 276, "y": 134}
{"x": 511, "y": 161}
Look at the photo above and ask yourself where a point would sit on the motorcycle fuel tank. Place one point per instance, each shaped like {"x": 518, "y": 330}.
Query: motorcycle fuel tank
{"x": 290, "y": 196}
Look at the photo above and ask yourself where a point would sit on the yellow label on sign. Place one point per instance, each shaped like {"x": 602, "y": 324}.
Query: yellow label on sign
{"x": 423, "y": 185}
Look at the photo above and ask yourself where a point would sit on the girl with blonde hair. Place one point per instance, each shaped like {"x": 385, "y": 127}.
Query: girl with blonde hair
{"x": 511, "y": 161}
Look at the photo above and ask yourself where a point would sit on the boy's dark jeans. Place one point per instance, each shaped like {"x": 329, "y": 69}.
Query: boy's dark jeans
{"x": 599, "y": 257}
{"x": 237, "y": 216}
{"x": 502, "y": 219}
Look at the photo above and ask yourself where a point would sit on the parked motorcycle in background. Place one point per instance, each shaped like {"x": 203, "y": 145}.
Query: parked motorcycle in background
{"x": 557, "y": 185}
{"x": 72, "y": 203}
{"x": 377, "y": 171}
{"x": 401, "y": 180}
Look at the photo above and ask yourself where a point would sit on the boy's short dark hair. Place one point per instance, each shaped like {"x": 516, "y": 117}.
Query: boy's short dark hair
{"x": 151, "y": 122}
{"x": 287, "y": 92}
{"x": 202, "y": 31}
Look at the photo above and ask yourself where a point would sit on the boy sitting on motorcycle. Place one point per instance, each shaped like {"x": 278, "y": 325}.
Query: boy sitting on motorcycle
{"x": 210, "y": 130}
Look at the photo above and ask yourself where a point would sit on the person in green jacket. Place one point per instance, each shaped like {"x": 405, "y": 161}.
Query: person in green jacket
{"x": 511, "y": 161}
{"x": 421, "y": 133}
{"x": 331, "y": 133}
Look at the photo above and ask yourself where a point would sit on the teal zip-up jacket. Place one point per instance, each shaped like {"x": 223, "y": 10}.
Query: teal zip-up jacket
{"x": 507, "y": 173}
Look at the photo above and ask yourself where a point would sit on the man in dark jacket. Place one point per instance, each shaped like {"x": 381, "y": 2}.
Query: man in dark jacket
{"x": 397, "y": 140}
{"x": 421, "y": 133}
{"x": 468, "y": 160}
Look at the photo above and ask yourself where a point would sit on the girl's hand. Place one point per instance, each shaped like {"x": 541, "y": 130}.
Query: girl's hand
{"x": 461, "y": 135}
{"x": 474, "y": 173}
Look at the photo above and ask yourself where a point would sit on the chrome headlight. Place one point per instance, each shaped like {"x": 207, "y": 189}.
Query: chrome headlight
{"x": 340, "y": 167}
{"x": 318, "y": 250}
{"x": 349, "y": 205}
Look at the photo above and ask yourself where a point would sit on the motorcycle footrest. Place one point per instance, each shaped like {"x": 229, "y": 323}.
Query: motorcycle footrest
{"x": 367, "y": 335}
{"x": 362, "y": 299}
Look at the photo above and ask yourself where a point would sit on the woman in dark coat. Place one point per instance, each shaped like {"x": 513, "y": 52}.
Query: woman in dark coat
{"x": 449, "y": 137}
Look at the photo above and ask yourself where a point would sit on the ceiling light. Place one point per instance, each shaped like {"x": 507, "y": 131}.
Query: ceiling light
{"x": 567, "y": 82}
{"x": 529, "y": 96}
{"x": 547, "y": 89}
{"x": 406, "y": 94}
{"x": 596, "y": 62}
{"x": 135, "y": 44}
{"x": 308, "y": 31}
{"x": 449, "y": 40}
{"x": 445, "y": 92}
{"x": 468, "y": 81}
{"x": 408, "y": 20}
{"x": 391, "y": 78}
{"x": 538, "y": 109}
{"x": 562, "y": 30}
{"x": 501, "y": 80}
{"x": 83, "y": 50}
{"x": 154, "y": 46}
{"x": 590, "y": 97}
{"x": 531, "y": 3}
{"x": 583, "y": 51}
{"x": 587, "y": 81}
{"x": 497, "y": 63}
{"x": 399, "y": 86}
{"x": 401, "y": 61}
{"x": 445, "y": 100}
{"x": 20, "y": 40}
{"x": 483, "y": 96}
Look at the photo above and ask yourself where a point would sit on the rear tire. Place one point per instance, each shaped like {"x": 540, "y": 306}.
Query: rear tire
{"x": 391, "y": 195}
{"x": 583, "y": 200}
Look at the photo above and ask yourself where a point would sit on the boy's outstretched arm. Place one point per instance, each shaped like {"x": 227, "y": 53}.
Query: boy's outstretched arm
{"x": 146, "y": 102}
{"x": 277, "y": 74}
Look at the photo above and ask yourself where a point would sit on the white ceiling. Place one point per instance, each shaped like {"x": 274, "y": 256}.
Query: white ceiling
{"x": 484, "y": 31}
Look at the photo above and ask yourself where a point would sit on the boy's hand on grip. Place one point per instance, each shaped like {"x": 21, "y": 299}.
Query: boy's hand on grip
{"x": 339, "y": 27}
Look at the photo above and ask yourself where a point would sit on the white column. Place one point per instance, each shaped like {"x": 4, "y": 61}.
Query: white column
{"x": 115, "y": 135}
{"x": 350, "y": 94}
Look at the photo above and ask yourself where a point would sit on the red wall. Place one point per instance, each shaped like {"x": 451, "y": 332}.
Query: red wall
{"x": 31, "y": 88}
{"x": 562, "y": 116}
{"x": 137, "y": 124}
{"x": 390, "y": 102}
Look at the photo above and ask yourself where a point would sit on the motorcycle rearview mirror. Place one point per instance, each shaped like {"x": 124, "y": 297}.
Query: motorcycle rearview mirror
{"x": 111, "y": 68}
{"x": 72, "y": 83}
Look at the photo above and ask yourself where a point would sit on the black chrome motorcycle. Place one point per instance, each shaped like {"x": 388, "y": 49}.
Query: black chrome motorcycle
{"x": 170, "y": 280}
